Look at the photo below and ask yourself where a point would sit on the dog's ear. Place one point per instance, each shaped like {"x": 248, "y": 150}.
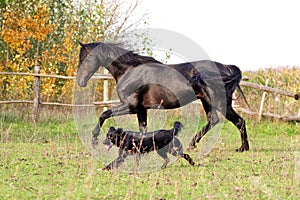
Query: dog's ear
{"x": 112, "y": 129}
{"x": 119, "y": 131}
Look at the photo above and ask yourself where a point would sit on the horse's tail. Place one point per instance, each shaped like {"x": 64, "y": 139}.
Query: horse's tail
{"x": 242, "y": 93}
{"x": 177, "y": 128}
{"x": 235, "y": 82}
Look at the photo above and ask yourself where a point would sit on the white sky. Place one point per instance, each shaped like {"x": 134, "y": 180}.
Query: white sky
{"x": 250, "y": 34}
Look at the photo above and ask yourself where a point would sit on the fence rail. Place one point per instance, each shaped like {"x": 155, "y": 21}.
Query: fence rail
{"x": 270, "y": 115}
{"x": 98, "y": 103}
{"x": 97, "y": 76}
{"x": 36, "y": 102}
{"x": 268, "y": 89}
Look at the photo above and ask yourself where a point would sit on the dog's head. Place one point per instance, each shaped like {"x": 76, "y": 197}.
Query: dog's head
{"x": 113, "y": 137}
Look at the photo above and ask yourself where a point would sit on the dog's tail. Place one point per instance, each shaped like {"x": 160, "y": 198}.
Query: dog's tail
{"x": 177, "y": 127}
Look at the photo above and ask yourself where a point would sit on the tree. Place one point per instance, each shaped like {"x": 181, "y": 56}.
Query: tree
{"x": 46, "y": 33}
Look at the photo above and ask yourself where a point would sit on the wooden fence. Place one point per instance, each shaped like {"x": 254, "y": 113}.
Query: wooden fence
{"x": 266, "y": 88}
{"x": 36, "y": 100}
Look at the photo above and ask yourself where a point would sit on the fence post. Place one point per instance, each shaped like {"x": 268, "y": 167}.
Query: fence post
{"x": 262, "y": 102}
{"x": 36, "y": 93}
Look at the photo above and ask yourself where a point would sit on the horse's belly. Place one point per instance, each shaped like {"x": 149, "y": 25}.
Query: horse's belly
{"x": 158, "y": 96}
{"x": 155, "y": 86}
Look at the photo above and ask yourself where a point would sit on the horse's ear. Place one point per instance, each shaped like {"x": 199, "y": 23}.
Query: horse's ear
{"x": 86, "y": 47}
{"x": 83, "y": 46}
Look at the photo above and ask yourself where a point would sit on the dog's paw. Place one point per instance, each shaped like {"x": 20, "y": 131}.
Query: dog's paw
{"x": 163, "y": 166}
{"x": 95, "y": 143}
{"x": 190, "y": 148}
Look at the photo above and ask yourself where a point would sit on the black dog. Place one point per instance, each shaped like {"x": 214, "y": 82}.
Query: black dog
{"x": 138, "y": 143}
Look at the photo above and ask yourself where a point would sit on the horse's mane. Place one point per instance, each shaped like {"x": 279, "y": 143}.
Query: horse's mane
{"x": 122, "y": 55}
{"x": 136, "y": 59}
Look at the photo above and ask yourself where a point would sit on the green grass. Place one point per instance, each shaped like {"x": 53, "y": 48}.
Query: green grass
{"x": 49, "y": 161}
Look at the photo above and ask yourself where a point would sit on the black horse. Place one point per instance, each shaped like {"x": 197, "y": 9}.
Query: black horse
{"x": 145, "y": 83}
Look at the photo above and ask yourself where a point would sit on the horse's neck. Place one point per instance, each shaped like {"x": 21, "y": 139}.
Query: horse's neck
{"x": 117, "y": 70}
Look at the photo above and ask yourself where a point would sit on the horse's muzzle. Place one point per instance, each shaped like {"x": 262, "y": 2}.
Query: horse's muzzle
{"x": 81, "y": 83}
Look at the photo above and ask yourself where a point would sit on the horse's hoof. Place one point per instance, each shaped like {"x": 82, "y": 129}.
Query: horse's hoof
{"x": 95, "y": 143}
{"x": 242, "y": 149}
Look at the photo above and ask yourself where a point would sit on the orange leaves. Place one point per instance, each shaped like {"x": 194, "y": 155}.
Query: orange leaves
{"x": 46, "y": 33}
{"x": 68, "y": 44}
{"x": 12, "y": 33}
{"x": 40, "y": 24}
{"x": 20, "y": 28}
{"x": 24, "y": 29}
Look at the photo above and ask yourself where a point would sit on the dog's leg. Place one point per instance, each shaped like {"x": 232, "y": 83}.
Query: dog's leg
{"x": 165, "y": 163}
{"x": 117, "y": 162}
{"x": 175, "y": 147}
{"x": 163, "y": 153}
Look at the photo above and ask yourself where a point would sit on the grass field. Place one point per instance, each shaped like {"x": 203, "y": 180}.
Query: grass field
{"x": 49, "y": 161}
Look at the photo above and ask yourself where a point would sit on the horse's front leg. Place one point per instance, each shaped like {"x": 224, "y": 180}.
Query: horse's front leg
{"x": 142, "y": 118}
{"x": 122, "y": 109}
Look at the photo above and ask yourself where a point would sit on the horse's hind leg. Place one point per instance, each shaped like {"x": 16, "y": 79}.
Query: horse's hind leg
{"x": 212, "y": 118}
{"x": 122, "y": 109}
{"x": 188, "y": 158}
{"x": 240, "y": 123}
{"x": 142, "y": 118}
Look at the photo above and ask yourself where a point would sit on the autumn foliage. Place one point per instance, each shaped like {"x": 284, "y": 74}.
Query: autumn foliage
{"x": 46, "y": 33}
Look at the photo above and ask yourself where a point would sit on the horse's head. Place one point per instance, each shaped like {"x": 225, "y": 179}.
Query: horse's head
{"x": 89, "y": 63}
